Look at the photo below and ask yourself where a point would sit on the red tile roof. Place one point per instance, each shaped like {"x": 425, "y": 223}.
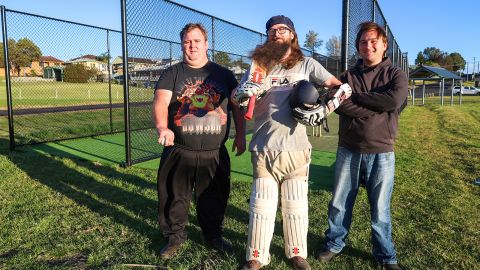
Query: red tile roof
{"x": 50, "y": 59}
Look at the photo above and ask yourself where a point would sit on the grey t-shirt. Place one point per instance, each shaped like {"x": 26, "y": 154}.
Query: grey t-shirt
{"x": 275, "y": 129}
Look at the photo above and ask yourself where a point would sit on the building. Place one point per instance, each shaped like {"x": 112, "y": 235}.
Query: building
{"x": 90, "y": 61}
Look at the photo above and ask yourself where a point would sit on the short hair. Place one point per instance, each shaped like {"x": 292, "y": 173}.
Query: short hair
{"x": 369, "y": 26}
{"x": 190, "y": 26}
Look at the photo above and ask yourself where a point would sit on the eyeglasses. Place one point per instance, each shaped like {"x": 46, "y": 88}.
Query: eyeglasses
{"x": 281, "y": 30}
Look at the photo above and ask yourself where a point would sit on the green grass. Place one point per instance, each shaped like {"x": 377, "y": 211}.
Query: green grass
{"x": 65, "y": 212}
{"x": 52, "y": 94}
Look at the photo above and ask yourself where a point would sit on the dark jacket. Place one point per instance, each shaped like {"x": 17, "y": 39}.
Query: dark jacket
{"x": 369, "y": 119}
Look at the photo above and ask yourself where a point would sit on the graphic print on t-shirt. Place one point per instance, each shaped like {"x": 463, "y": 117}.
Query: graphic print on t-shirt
{"x": 200, "y": 111}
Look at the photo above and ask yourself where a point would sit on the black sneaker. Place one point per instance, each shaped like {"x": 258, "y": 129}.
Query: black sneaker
{"x": 252, "y": 265}
{"x": 392, "y": 266}
{"x": 300, "y": 263}
{"x": 169, "y": 251}
{"x": 326, "y": 255}
{"x": 220, "y": 244}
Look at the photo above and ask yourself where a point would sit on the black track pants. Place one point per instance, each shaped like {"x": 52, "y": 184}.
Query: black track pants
{"x": 180, "y": 172}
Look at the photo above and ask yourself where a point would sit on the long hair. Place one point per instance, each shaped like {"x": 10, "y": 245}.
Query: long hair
{"x": 271, "y": 53}
{"x": 296, "y": 54}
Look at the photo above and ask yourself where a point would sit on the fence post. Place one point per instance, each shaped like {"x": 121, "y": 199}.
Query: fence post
{"x": 345, "y": 29}
{"x": 126, "y": 95}
{"x": 374, "y": 2}
{"x": 460, "y": 96}
{"x": 443, "y": 90}
{"x": 8, "y": 85}
{"x": 109, "y": 67}
{"x": 423, "y": 93}
{"x": 413, "y": 93}
{"x": 171, "y": 60}
{"x": 213, "y": 39}
{"x": 451, "y": 94}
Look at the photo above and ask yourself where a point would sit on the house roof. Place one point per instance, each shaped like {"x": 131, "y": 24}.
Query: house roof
{"x": 119, "y": 60}
{"x": 429, "y": 72}
{"x": 49, "y": 58}
{"x": 87, "y": 56}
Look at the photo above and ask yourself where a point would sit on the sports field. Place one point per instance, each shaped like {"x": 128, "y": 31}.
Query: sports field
{"x": 62, "y": 210}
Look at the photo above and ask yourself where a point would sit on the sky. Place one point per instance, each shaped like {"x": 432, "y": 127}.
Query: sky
{"x": 451, "y": 26}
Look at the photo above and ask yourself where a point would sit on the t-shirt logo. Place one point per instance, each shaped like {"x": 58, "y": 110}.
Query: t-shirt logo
{"x": 200, "y": 111}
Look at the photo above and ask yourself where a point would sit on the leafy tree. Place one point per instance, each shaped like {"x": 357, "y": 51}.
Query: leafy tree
{"x": 78, "y": 73}
{"x": 433, "y": 55}
{"x": 333, "y": 46}
{"x": 104, "y": 57}
{"x": 311, "y": 41}
{"x": 420, "y": 59}
{"x": 222, "y": 58}
{"x": 11, "y": 48}
{"x": 23, "y": 53}
{"x": 242, "y": 64}
{"x": 454, "y": 62}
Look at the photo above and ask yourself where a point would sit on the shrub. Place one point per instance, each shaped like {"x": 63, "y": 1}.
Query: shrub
{"x": 78, "y": 73}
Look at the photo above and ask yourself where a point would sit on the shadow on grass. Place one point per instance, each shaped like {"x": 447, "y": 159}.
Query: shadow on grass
{"x": 321, "y": 177}
{"x": 104, "y": 197}
{"x": 80, "y": 187}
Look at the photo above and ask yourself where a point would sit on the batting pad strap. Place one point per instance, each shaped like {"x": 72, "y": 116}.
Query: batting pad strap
{"x": 294, "y": 194}
{"x": 263, "y": 207}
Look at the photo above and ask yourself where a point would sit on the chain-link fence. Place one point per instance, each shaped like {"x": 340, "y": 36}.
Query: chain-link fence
{"x": 74, "y": 84}
{"x": 152, "y": 31}
{"x": 60, "y": 84}
{"x": 356, "y": 12}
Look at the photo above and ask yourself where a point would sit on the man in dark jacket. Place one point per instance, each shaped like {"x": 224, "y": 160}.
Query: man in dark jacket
{"x": 368, "y": 127}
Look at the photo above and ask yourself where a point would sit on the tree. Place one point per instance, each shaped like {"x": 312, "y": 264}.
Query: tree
{"x": 420, "y": 59}
{"x": 433, "y": 55}
{"x": 222, "y": 58}
{"x": 242, "y": 64}
{"x": 311, "y": 41}
{"x": 23, "y": 53}
{"x": 104, "y": 57}
{"x": 78, "y": 73}
{"x": 454, "y": 62}
{"x": 11, "y": 48}
{"x": 333, "y": 46}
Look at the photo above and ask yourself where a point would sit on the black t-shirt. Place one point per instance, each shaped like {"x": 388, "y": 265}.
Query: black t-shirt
{"x": 199, "y": 111}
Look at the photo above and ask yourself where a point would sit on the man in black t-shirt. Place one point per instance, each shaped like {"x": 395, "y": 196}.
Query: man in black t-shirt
{"x": 191, "y": 111}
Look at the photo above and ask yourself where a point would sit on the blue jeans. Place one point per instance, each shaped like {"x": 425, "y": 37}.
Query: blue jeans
{"x": 377, "y": 171}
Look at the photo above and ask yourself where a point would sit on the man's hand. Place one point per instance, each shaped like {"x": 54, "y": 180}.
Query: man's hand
{"x": 336, "y": 96}
{"x": 165, "y": 136}
{"x": 247, "y": 90}
{"x": 239, "y": 144}
{"x": 310, "y": 117}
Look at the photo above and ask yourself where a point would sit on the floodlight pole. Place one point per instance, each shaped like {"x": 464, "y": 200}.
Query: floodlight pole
{"x": 126, "y": 101}
{"x": 109, "y": 81}
{"x": 345, "y": 29}
{"x": 8, "y": 84}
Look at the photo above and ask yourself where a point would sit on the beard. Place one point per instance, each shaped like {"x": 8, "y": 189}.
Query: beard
{"x": 270, "y": 54}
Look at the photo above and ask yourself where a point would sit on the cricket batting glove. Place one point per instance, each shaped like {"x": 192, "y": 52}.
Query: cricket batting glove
{"x": 315, "y": 115}
{"x": 310, "y": 116}
{"x": 246, "y": 90}
{"x": 336, "y": 96}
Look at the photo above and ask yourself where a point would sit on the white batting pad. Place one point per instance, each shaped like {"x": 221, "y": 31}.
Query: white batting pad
{"x": 294, "y": 196}
{"x": 263, "y": 206}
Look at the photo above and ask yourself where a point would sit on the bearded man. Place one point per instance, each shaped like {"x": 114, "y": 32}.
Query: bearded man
{"x": 280, "y": 150}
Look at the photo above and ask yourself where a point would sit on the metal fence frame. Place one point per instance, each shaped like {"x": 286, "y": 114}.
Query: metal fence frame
{"x": 217, "y": 45}
{"x": 335, "y": 66}
{"x": 12, "y": 111}
{"x": 369, "y": 11}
